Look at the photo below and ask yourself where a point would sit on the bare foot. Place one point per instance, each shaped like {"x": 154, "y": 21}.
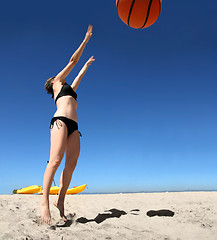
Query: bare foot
{"x": 45, "y": 213}
{"x": 60, "y": 206}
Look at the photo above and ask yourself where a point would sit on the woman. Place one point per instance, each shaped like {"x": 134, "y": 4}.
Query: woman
{"x": 64, "y": 131}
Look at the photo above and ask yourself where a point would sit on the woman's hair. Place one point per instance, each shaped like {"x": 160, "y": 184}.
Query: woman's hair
{"x": 49, "y": 86}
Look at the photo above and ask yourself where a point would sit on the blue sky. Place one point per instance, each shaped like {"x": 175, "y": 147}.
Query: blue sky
{"x": 146, "y": 106}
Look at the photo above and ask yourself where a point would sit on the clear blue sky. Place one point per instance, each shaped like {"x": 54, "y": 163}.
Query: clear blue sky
{"x": 146, "y": 106}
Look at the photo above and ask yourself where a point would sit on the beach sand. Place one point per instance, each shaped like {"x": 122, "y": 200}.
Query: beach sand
{"x": 183, "y": 216}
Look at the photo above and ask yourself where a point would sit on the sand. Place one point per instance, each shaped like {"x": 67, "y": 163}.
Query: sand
{"x": 182, "y": 216}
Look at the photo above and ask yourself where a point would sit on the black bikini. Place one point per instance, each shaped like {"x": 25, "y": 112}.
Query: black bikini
{"x": 71, "y": 125}
{"x": 66, "y": 90}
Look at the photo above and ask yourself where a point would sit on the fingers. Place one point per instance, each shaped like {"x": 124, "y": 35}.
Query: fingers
{"x": 89, "y": 33}
{"x": 91, "y": 59}
{"x": 90, "y": 28}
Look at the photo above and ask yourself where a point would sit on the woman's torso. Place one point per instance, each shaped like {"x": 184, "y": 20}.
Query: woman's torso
{"x": 66, "y": 105}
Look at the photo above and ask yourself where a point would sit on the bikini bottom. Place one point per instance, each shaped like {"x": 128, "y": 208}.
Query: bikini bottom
{"x": 70, "y": 124}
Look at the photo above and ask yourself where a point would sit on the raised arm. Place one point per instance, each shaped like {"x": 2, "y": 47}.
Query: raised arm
{"x": 77, "y": 80}
{"x": 75, "y": 57}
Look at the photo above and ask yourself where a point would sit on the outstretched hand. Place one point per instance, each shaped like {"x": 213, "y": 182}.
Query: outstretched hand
{"x": 90, "y": 60}
{"x": 89, "y": 33}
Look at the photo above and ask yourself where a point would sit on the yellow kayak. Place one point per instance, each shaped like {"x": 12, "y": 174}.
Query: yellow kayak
{"x": 76, "y": 190}
{"x": 54, "y": 190}
{"x": 29, "y": 190}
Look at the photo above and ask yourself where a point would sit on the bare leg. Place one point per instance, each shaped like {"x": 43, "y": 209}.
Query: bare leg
{"x": 58, "y": 144}
{"x": 72, "y": 154}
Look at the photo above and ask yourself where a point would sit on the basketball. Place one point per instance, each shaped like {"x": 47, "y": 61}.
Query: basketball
{"x": 139, "y": 13}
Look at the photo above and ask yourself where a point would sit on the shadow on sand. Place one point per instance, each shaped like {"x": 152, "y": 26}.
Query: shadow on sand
{"x": 160, "y": 213}
{"x": 112, "y": 213}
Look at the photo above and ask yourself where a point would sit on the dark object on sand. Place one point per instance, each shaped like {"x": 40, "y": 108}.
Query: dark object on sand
{"x": 160, "y": 213}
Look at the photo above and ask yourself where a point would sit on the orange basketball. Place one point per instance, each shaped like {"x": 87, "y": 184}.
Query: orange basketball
{"x": 139, "y": 13}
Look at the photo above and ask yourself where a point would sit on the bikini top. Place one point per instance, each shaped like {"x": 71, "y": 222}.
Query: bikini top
{"x": 66, "y": 90}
